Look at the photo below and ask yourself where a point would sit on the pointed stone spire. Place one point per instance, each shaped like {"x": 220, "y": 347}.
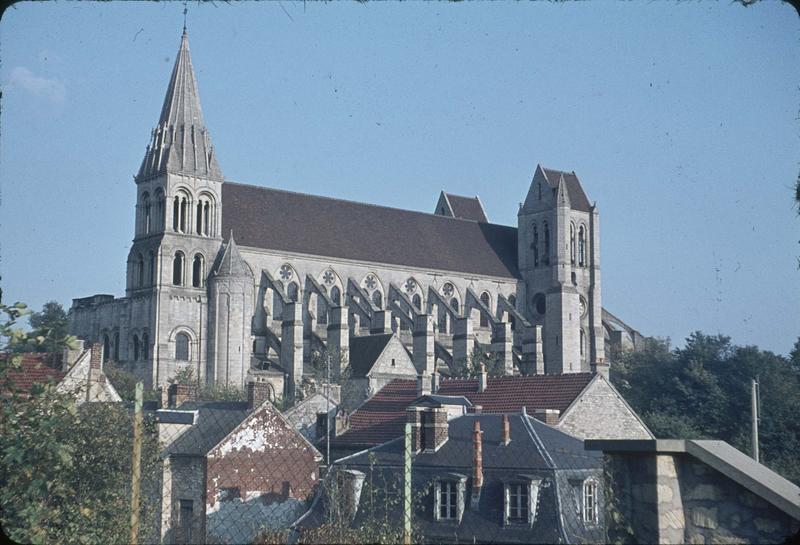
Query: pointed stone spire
{"x": 181, "y": 143}
{"x": 562, "y": 195}
{"x": 232, "y": 263}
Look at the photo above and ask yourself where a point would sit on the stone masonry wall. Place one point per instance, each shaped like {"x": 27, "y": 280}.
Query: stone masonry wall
{"x": 601, "y": 403}
{"x": 719, "y": 510}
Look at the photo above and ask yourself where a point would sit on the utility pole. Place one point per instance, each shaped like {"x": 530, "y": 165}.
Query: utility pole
{"x": 328, "y": 411}
{"x": 407, "y": 487}
{"x": 754, "y": 406}
{"x": 136, "y": 468}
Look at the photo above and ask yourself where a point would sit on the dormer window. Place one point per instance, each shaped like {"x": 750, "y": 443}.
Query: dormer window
{"x": 448, "y": 498}
{"x": 521, "y": 496}
{"x": 590, "y": 501}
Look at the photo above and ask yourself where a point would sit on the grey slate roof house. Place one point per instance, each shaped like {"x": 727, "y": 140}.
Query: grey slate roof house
{"x": 478, "y": 478}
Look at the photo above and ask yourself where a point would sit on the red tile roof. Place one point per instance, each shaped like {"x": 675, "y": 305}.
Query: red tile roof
{"x": 383, "y": 416}
{"x": 35, "y": 368}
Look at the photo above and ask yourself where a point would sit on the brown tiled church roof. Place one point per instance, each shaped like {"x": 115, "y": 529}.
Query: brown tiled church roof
{"x": 273, "y": 219}
{"x": 468, "y": 208}
{"x": 383, "y": 416}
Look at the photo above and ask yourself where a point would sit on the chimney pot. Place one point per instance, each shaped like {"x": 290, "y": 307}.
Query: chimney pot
{"x": 178, "y": 393}
{"x": 477, "y": 464}
{"x": 506, "y": 430}
{"x": 482, "y": 379}
{"x": 257, "y": 393}
{"x": 548, "y": 416}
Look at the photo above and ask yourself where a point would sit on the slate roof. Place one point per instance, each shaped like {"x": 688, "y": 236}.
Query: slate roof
{"x": 577, "y": 197}
{"x": 280, "y": 220}
{"x": 214, "y": 421}
{"x": 468, "y": 208}
{"x": 364, "y": 351}
{"x": 35, "y": 368}
{"x": 180, "y": 142}
{"x": 383, "y": 416}
{"x": 535, "y": 449}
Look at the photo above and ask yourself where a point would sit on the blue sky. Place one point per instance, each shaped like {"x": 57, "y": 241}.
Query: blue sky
{"x": 680, "y": 118}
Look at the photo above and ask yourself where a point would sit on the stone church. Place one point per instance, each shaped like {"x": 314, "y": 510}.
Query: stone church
{"x": 236, "y": 280}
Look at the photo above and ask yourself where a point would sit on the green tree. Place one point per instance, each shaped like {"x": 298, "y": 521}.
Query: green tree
{"x": 64, "y": 469}
{"x": 702, "y": 391}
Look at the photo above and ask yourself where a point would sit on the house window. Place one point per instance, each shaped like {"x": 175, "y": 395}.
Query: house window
{"x": 185, "y": 512}
{"x": 182, "y": 347}
{"x": 447, "y": 500}
{"x": 590, "y": 501}
{"x": 518, "y": 503}
{"x": 521, "y": 498}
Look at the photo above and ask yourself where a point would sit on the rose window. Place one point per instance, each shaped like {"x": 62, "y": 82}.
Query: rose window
{"x": 328, "y": 277}
{"x": 410, "y": 285}
{"x": 448, "y": 289}
{"x": 286, "y": 272}
{"x": 370, "y": 282}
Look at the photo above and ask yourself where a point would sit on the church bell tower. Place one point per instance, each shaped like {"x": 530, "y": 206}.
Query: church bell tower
{"x": 559, "y": 262}
{"x": 178, "y": 232}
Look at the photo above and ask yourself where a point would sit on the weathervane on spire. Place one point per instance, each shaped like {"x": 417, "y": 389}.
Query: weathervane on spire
{"x": 185, "y": 10}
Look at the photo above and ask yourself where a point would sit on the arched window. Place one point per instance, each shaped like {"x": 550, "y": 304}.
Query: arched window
{"x": 535, "y": 245}
{"x": 582, "y": 246}
{"x": 106, "y": 348}
{"x": 546, "y": 258}
{"x": 205, "y": 215}
{"x": 590, "y": 501}
{"x": 486, "y": 301}
{"x": 417, "y": 301}
{"x": 292, "y": 292}
{"x": 583, "y": 343}
{"x": 182, "y": 347}
{"x": 116, "y": 346}
{"x": 135, "y": 348}
{"x": 377, "y": 298}
{"x": 180, "y": 213}
{"x": 146, "y": 213}
{"x": 336, "y": 295}
{"x": 158, "y": 218}
{"x": 176, "y": 213}
{"x": 198, "y": 271}
{"x": 322, "y": 308}
{"x": 572, "y": 243}
{"x": 151, "y": 268}
{"x": 177, "y": 269}
{"x": 145, "y": 346}
{"x": 139, "y": 271}
{"x": 454, "y": 304}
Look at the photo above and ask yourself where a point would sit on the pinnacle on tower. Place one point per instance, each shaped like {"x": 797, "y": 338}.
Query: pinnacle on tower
{"x": 180, "y": 142}
{"x": 232, "y": 263}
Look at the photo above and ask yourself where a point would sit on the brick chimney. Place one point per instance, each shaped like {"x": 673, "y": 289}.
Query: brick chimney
{"x": 477, "y": 464}
{"x": 506, "y": 430}
{"x": 178, "y": 393}
{"x": 257, "y": 393}
{"x": 548, "y": 416}
{"x": 414, "y": 417}
{"x": 96, "y": 361}
{"x": 434, "y": 428}
{"x": 483, "y": 379}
